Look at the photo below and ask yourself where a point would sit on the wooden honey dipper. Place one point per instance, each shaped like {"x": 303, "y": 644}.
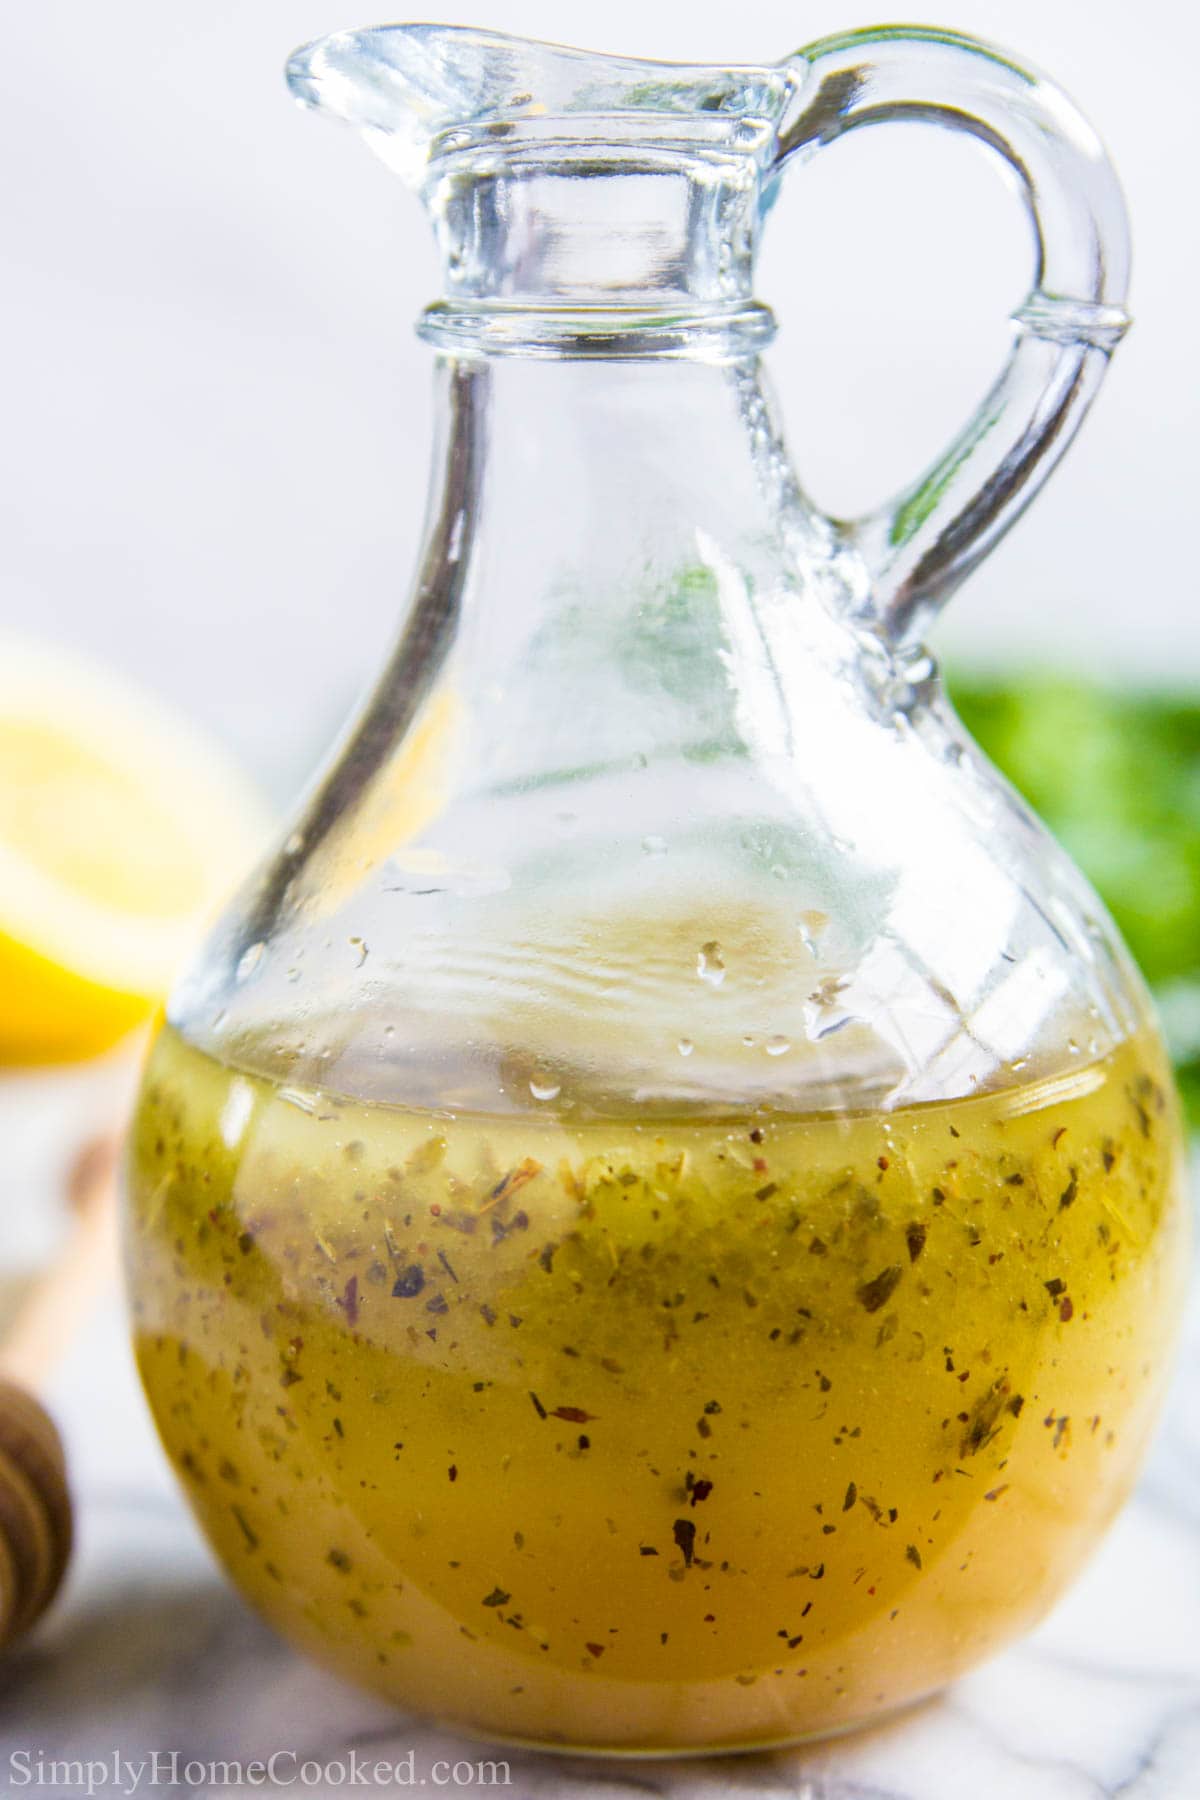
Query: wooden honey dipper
{"x": 36, "y": 1518}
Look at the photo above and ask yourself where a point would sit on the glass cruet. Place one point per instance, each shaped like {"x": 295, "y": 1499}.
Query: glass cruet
{"x": 655, "y": 1221}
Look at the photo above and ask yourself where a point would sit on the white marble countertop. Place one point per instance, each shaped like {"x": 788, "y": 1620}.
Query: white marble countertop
{"x": 149, "y": 1650}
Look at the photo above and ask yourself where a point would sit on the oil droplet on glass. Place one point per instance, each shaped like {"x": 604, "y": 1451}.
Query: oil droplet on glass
{"x": 710, "y": 965}
{"x": 812, "y": 925}
{"x": 685, "y": 1046}
{"x": 250, "y": 960}
{"x": 544, "y": 1087}
{"x": 777, "y": 1045}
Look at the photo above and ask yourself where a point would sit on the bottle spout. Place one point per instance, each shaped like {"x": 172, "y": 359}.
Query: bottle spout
{"x": 560, "y": 179}
{"x": 405, "y": 86}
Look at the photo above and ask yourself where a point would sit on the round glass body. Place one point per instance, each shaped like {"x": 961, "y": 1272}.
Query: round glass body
{"x": 656, "y": 1221}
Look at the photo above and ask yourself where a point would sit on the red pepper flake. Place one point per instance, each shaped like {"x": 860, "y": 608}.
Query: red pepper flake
{"x": 497, "y": 1597}
{"x": 512, "y": 1183}
{"x": 914, "y": 1237}
{"x": 875, "y": 1293}
{"x": 700, "y": 1491}
{"x": 594, "y": 1649}
{"x": 538, "y": 1408}
{"x": 1066, "y": 1311}
{"x": 913, "y": 1555}
{"x": 452, "y": 1471}
{"x": 574, "y": 1415}
{"x": 851, "y": 1497}
{"x": 756, "y": 1136}
{"x": 489, "y": 1317}
{"x": 1055, "y": 1287}
{"x": 1015, "y": 1405}
{"x": 684, "y": 1533}
{"x": 1069, "y": 1193}
{"x": 760, "y": 1165}
{"x": 1058, "y": 1137}
{"x": 995, "y": 1493}
{"x": 647, "y": 1550}
{"x": 349, "y": 1301}
{"x": 881, "y": 1162}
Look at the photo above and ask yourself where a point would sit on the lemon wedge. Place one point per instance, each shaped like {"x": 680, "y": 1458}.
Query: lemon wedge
{"x": 121, "y": 829}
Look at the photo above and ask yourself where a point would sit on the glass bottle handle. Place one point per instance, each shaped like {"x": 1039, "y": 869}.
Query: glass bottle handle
{"x": 923, "y": 543}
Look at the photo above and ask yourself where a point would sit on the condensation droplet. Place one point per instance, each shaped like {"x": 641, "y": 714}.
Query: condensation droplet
{"x": 294, "y": 974}
{"x": 294, "y": 844}
{"x": 685, "y": 1046}
{"x": 777, "y": 1045}
{"x": 545, "y": 1089}
{"x": 748, "y": 1040}
{"x": 710, "y": 965}
{"x": 654, "y": 845}
{"x": 250, "y": 960}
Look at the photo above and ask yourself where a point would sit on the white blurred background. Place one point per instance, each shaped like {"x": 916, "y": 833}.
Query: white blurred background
{"x": 215, "y": 430}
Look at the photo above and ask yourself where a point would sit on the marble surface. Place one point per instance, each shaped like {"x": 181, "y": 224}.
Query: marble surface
{"x": 149, "y": 1651}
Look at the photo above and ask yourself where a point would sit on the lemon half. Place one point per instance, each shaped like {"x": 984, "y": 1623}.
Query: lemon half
{"x": 121, "y": 830}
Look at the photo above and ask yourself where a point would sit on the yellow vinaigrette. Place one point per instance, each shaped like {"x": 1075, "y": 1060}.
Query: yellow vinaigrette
{"x": 641, "y": 1434}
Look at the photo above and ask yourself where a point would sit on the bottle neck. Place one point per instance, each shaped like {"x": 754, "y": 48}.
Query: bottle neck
{"x": 615, "y": 559}
{"x": 642, "y": 246}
